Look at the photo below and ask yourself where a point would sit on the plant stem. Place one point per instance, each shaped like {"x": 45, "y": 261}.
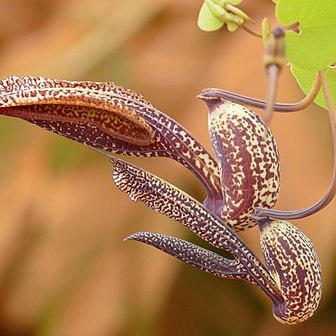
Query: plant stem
{"x": 327, "y": 198}
{"x": 274, "y": 60}
{"x": 273, "y": 74}
{"x": 250, "y": 31}
{"x": 261, "y": 104}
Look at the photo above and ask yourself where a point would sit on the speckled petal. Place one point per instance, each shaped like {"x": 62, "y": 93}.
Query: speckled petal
{"x": 248, "y": 161}
{"x": 111, "y": 117}
{"x": 192, "y": 254}
{"x": 294, "y": 265}
{"x": 172, "y": 202}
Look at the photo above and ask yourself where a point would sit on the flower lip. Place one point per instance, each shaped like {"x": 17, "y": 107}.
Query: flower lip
{"x": 209, "y": 97}
{"x": 207, "y": 93}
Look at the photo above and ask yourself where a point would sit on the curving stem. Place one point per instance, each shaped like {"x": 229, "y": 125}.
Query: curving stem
{"x": 261, "y": 104}
{"x": 250, "y": 31}
{"x": 273, "y": 72}
{"x": 327, "y": 198}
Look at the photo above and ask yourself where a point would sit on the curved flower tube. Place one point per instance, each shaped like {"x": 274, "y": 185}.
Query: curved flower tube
{"x": 118, "y": 120}
{"x": 111, "y": 117}
{"x": 292, "y": 276}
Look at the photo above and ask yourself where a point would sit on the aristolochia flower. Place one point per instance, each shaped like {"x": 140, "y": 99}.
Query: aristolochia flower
{"x": 109, "y": 117}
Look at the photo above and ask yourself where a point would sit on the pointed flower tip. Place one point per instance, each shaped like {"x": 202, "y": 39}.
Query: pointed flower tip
{"x": 133, "y": 236}
{"x": 130, "y": 237}
{"x": 247, "y": 18}
{"x": 209, "y": 98}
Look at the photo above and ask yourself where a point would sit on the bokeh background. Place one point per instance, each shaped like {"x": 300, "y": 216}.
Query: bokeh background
{"x": 64, "y": 267}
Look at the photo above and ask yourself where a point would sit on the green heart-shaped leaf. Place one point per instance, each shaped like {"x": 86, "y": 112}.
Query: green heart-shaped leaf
{"x": 208, "y": 22}
{"x": 306, "y": 78}
{"x": 314, "y": 48}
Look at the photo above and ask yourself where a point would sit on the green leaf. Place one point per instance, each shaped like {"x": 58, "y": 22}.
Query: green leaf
{"x": 306, "y": 78}
{"x": 207, "y": 21}
{"x": 314, "y": 48}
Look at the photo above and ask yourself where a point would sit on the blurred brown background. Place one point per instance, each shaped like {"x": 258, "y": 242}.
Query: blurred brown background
{"x": 64, "y": 267}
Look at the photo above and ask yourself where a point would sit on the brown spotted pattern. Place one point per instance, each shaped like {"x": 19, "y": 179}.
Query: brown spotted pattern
{"x": 110, "y": 108}
{"x": 192, "y": 254}
{"x": 170, "y": 201}
{"x": 72, "y": 122}
{"x": 248, "y": 161}
{"x": 50, "y": 104}
{"x": 295, "y": 267}
{"x": 107, "y": 116}
{"x": 292, "y": 276}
